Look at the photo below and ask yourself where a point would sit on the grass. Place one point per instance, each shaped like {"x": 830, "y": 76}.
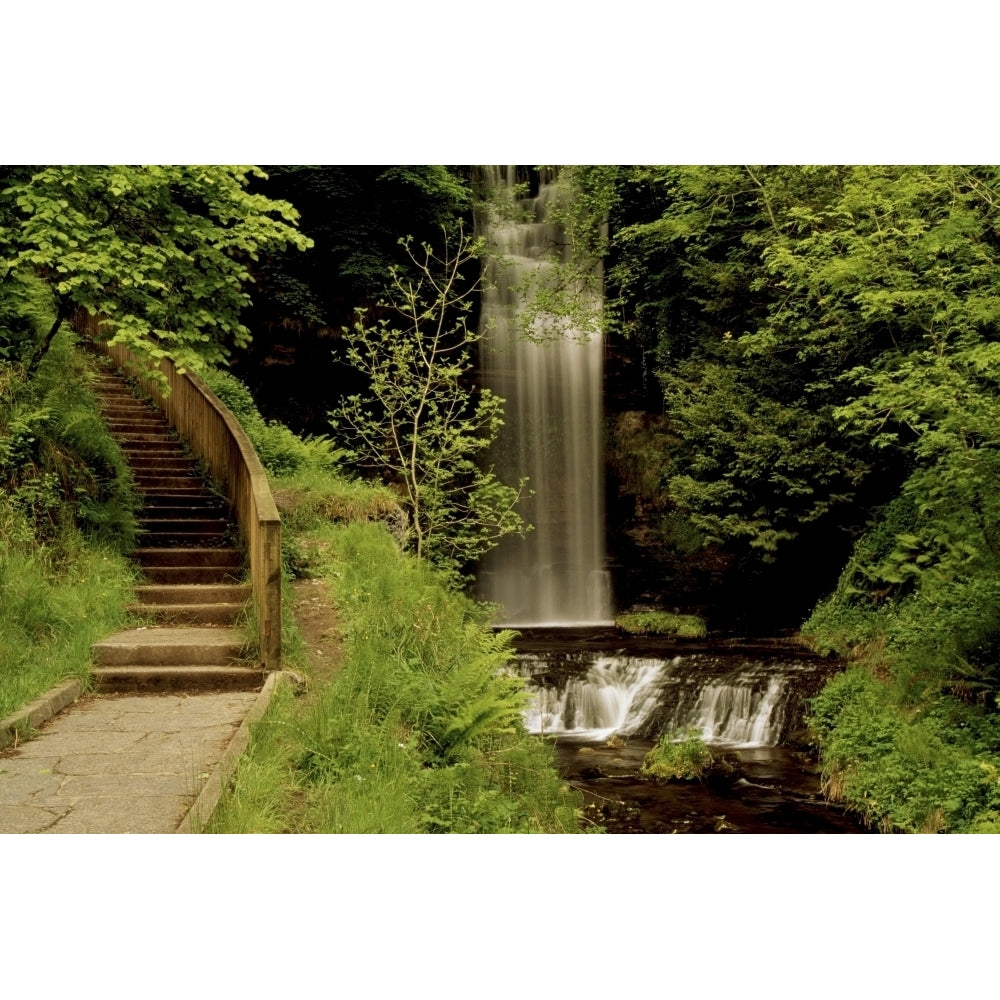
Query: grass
{"x": 661, "y": 623}
{"x": 684, "y": 757}
{"x": 418, "y": 732}
{"x": 66, "y": 519}
{"x": 420, "y": 728}
{"x": 50, "y": 614}
{"x": 919, "y": 768}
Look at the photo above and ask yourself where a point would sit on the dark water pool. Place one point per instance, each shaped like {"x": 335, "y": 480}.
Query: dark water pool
{"x": 776, "y": 790}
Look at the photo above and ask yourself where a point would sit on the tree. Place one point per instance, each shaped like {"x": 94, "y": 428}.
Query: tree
{"x": 354, "y": 215}
{"x": 164, "y": 252}
{"x": 421, "y": 424}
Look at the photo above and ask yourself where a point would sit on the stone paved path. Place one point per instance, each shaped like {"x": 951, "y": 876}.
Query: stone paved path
{"x": 118, "y": 763}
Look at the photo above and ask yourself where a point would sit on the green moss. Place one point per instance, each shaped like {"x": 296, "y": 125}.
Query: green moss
{"x": 685, "y": 758}
{"x": 661, "y": 623}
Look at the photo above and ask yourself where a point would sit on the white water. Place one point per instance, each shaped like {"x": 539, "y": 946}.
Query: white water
{"x": 627, "y": 696}
{"x": 616, "y": 695}
{"x": 741, "y": 716}
{"x": 553, "y": 434}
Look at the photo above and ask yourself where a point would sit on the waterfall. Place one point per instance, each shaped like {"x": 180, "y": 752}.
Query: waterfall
{"x": 730, "y": 702}
{"x": 553, "y": 433}
{"x": 614, "y": 696}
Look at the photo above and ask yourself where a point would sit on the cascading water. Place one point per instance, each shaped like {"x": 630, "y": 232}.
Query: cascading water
{"x": 615, "y": 695}
{"x": 553, "y": 387}
{"x": 742, "y": 705}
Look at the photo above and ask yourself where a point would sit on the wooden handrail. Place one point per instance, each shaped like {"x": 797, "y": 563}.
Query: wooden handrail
{"x": 215, "y": 436}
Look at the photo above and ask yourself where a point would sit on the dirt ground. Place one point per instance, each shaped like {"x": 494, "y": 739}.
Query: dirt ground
{"x": 320, "y": 628}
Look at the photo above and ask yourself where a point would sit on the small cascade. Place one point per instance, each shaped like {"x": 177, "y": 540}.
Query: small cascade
{"x": 614, "y": 695}
{"x": 731, "y": 703}
{"x": 737, "y": 714}
{"x": 553, "y": 388}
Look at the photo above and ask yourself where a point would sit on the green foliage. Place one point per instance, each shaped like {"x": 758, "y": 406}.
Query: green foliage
{"x": 661, "y": 623}
{"x": 67, "y": 513}
{"x": 54, "y": 603}
{"x": 281, "y": 451}
{"x": 681, "y": 757}
{"x": 812, "y": 325}
{"x": 353, "y": 216}
{"x": 827, "y": 343}
{"x": 753, "y": 468}
{"x": 419, "y": 425}
{"x": 60, "y": 470}
{"x": 312, "y": 497}
{"x": 420, "y": 730}
{"x": 163, "y": 252}
{"x": 928, "y": 768}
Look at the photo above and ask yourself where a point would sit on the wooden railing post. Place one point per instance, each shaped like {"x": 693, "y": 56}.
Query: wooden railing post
{"x": 215, "y": 436}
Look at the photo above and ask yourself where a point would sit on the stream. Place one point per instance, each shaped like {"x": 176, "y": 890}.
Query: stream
{"x": 604, "y": 702}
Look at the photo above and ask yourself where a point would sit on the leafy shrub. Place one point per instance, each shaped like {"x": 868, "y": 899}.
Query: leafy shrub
{"x": 281, "y": 451}
{"x": 420, "y": 729}
{"x": 59, "y": 466}
{"x": 925, "y": 769}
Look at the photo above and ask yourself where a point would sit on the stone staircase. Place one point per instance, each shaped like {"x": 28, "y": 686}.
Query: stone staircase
{"x": 193, "y": 594}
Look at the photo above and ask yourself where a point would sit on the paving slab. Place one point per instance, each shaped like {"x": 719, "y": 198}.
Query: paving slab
{"x": 119, "y": 763}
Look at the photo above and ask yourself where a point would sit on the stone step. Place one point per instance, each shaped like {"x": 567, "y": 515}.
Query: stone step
{"x": 174, "y": 575}
{"x": 112, "y": 395}
{"x": 136, "y": 425}
{"x": 193, "y": 593}
{"x": 124, "y": 413}
{"x": 182, "y": 677}
{"x": 180, "y": 539}
{"x": 162, "y": 463}
{"x": 147, "y": 482}
{"x": 170, "y": 647}
{"x": 169, "y": 449}
{"x": 231, "y": 559}
{"x": 186, "y": 473}
{"x": 194, "y": 523}
{"x": 143, "y": 438}
{"x": 196, "y": 527}
{"x": 121, "y": 397}
{"x": 199, "y": 509}
{"x": 190, "y": 614}
{"x": 171, "y": 496}
{"x": 223, "y": 560}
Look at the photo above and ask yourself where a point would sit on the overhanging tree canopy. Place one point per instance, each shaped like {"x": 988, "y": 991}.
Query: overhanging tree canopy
{"x": 164, "y": 252}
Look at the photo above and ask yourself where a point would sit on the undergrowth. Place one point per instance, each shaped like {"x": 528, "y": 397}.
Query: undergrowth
{"x": 420, "y": 731}
{"x": 51, "y": 611}
{"x": 67, "y": 518}
{"x": 281, "y": 451}
{"x": 909, "y": 734}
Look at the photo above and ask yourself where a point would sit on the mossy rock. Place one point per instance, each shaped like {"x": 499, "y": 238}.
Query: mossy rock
{"x": 685, "y": 757}
{"x": 661, "y": 623}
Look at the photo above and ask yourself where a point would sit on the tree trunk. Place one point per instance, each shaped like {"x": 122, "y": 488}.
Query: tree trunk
{"x": 42, "y": 349}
